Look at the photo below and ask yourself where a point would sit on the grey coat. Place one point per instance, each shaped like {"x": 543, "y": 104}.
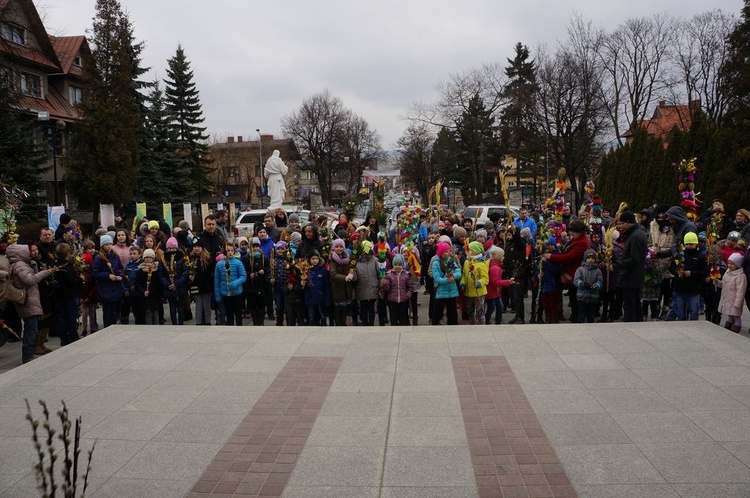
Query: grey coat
{"x": 366, "y": 285}
{"x": 19, "y": 257}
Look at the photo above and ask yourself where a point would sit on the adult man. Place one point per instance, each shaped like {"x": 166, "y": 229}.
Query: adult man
{"x": 211, "y": 238}
{"x": 523, "y": 221}
{"x": 47, "y": 246}
{"x": 632, "y": 266}
{"x": 65, "y": 223}
{"x": 274, "y": 171}
{"x": 221, "y": 223}
{"x": 681, "y": 223}
{"x": 273, "y": 232}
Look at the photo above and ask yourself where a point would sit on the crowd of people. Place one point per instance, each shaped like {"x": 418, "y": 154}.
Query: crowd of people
{"x": 582, "y": 268}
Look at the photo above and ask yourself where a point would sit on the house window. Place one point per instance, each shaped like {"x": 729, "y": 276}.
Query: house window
{"x": 77, "y": 61}
{"x": 13, "y": 33}
{"x": 75, "y": 95}
{"x": 6, "y": 80}
{"x": 31, "y": 84}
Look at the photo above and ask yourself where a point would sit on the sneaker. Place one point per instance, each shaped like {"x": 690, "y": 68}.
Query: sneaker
{"x": 517, "y": 320}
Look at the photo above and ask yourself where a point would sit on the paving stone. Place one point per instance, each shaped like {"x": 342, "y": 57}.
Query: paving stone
{"x": 424, "y": 364}
{"x": 659, "y": 427}
{"x": 688, "y": 399}
{"x": 428, "y": 467}
{"x": 338, "y": 466}
{"x": 695, "y": 359}
{"x": 134, "y": 426}
{"x": 434, "y": 404}
{"x": 356, "y": 382}
{"x": 161, "y": 460}
{"x": 429, "y": 492}
{"x": 669, "y": 377}
{"x": 654, "y": 359}
{"x": 583, "y": 429}
{"x": 427, "y": 431}
{"x": 475, "y": 349}
{"x": 372, "y": 349}
{"x": 741, "y": 451}
{"x": 356, "y": 404}
{"x": 130, "y": 378}
{"x": 199, "y": 428}
{"x": 539, "y": 363}
{"x": 740, "y": 393}
{"x": 723, "y": 426}
{"x": 424, "y": 382}
{"x": 588, "y": 346}
{"x": 424, "y": 349}
{"x": 705, "y": 490}
{"x": 329, "y": 491}
{"x": 436, "y": 337}
{"x": 556, "y": 402}
{"x": 695, "y": 462}
{"x": 725, "y": 376}
{"x": 215, "y": 363}
{"x": 526, "y": 348}
{"x": 607, "y": 464}
{"x": 116, "y": 487}
{"x": 321, "y": 349}
{"x": 102, "y": 398}
{"x": 161, "y": 362}
{"x": 368, "y": 364}
{"x": 161, "y": 400}
{"x": 632, "y": 400}
{"x": 264, "y": 364}
{"x": 330, "y": 337}
{"x": 591, "y": 361}
{"x": 8, "y": 480}
{"x": 222, "y": 402}
{"x": 348, "y": 431}
{"x": 610, "y": 379}
{"x": 549, "y": 381}
{"x": 627, "y": 491}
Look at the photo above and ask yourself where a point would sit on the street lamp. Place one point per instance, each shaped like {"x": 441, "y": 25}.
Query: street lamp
{"x": 54, "y": 128}
{"x": 260, "y": 160}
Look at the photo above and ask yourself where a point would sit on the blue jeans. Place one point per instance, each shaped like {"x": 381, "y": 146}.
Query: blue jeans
{"x": 587, "y": 311}
{"x": 316, "y": 315}
{"x": 279, "y": 298}
{"x": 30, "y": 329}
{"x": 494, "y": 305}
{"x": 176, "y": 311}
{"x": 111, "y": 312}
{"x": 685, "y": 306}
{"x": 67, "y": 321}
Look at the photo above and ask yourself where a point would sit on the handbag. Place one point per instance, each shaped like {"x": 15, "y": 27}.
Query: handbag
{"x": 11, "y": 292}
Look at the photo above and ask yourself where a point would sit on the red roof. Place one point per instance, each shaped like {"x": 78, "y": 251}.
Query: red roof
{"x": 67, "y": 48}
{"x": 54, "y": 102}
{"x": 666, "y": 119}
{"x": 28, "y": 54}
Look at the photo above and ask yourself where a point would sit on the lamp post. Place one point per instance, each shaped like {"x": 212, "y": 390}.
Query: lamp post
{"x": 260, "y": 162}
{"x": 54, "y": 128}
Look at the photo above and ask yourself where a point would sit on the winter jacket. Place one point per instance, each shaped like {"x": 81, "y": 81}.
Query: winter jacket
{"x": 318, "y": 287}
{"x": 366, "y": 282}
{"x": 212, "y": 242}
{"x": 398, "y": 286}
{"x": 733, "y": 287}
{"x": 661, "y": 238}
{"x": 142, "y": 283}
{"x": 696, "y": 263}
{"x": 551, "y": 277}
{"x": 517, "y": 262}
{"x": 231, "y": 285}
{"x": 308, "y": 246}
{"x": 256, "y": 285}
{"x": 443, "y": 287}
{"x": 22, "y": 273}
{"x": 69, "y": 282}
{"x": 109, "y": 290}
{"x": 129, "y": 273}
{"x": 173, "y": 271}
{"x": 588, "y": 281}
{"x": 571, "y": 257}
{"x": 632, "y": 265}
{"x": 496, "y": 283}
{"x": 475, "y": 270}
{"x": 123, "y": 252}
{"x": 266, "y": 246}
{"x": 341, "y": 290}
{"x": 204, "y": 278}
{"x": 279, "y": 273}
{"x": 682, "y": 224}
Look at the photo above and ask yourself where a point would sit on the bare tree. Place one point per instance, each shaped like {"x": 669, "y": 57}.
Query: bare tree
{"x": 361, "y": 145}
{"x": 634, "y": 59}
{"x": 701, "y": 49}
{"x": 416, "y": 162}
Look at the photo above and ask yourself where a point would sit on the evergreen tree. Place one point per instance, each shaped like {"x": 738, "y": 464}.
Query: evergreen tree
{"x": 159, "y": 160}
{"x": 103, "y": 162}
{"x": 518, "y": 133}
{"x": 22, "y": 157}
{"x": 185, "y": 116}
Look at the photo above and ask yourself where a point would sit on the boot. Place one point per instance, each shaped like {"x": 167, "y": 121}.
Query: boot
{"x": 44, "y": 333}
{"x": 38, "y": 351}
{"x": 736, "y": 329}
{"x": 727, "y": 325}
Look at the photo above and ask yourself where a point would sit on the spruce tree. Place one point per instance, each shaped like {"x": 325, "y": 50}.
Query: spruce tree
{"x": 103, "y": 162}
{"x": 518, "y": 132}
{"x": 159, "y": 160}
{"x": 185, "y": 116}
{"x": 22, "y": 157}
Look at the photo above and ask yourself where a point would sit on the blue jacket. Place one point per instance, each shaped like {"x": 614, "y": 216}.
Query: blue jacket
{"x": 130, "y": 270}
{"x": 318, "y": 287}
{"x": 237, "y": 277}
{"x": 267, "y": 245}
{"x": 443, "y": 288}
{"x": 551, "y": 277}
{"x": 109, "y": 290}
{"x": 527, "y": 223}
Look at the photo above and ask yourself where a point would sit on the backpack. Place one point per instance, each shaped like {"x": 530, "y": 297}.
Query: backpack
{"x": 11, "y": 292}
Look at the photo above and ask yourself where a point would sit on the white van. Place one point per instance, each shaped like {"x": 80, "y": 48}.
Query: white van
{"x": 480, "y": 213}
{"x": 246, "y": 220}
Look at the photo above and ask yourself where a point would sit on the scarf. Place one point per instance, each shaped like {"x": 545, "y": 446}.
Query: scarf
{"x": 341, "y": 260}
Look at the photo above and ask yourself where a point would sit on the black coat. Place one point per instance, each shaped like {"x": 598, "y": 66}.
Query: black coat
{"x": 632, "y": 266}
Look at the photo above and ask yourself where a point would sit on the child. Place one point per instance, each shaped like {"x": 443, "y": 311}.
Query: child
{"x": 69, "y": 287}
{"x": 174, "y": 281}
{"x": 691, "y": 270}
{"x": 398, "y": 286}
{"x": 733, "y": 285}
{"x": 128, "y": 303}
{"x": 551, "y": 287}
{"x": 229, "y": 276}
{"x": 89, "y": 294}
{"x": 711, "y": 291}
{"x": 257, "y": 268}
{"x": 296, "y": 313}
{"x": 493, "y": 302}
{"x": 366, "y": 284}
{"x": 445, "y": 271}
{"x": 341, "y": 278}
{"x": 588, "y": 281}
{"x": 107, "y": 271}
{"x": 474, "y": 281}
{"x": 651, "y": 290}
{"x": 145, "y": 288}
{"x": 278, "y": 282}
{"x": 201, "y": 280}
{"x": 317, "y": 290}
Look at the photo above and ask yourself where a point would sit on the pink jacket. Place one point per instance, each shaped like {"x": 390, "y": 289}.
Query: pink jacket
{"x": 398, "y": 286}
{"x": 733, "y": 285}
{"x": 496, "y": 280}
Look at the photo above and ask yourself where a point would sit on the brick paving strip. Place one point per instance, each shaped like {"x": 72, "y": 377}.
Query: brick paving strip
{"x": 510, "y": 452}
{"x": 259, "y": 457}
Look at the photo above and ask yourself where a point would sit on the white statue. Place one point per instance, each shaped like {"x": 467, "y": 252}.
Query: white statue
{"x": 274, "y": 173}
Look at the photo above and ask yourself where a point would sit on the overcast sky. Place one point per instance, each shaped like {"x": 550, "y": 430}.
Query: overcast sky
{"x": 255, "y": 61}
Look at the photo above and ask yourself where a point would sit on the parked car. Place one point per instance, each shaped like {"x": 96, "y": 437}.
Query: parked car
{"x": 481, "y": 212}
{"x": 246, "y": 220}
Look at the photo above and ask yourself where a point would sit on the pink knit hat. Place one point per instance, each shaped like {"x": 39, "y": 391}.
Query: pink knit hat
{"x": 172, "y": 243}
{"x": 442, "y": 248}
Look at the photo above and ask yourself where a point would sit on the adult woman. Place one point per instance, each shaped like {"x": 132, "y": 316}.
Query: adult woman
{"x": 742, "y": 223}
{"x": 571, "y": 258}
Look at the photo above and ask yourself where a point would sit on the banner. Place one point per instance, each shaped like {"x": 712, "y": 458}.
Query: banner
{"x": 187, "y": 214}
{"x": 204, "y": 212}
{"x": 53, "y": 216}
{"x": 107, "y": 215}
{"x": 167, "y": 211}
{"x": 232, "y": 213}
{"x": 219, "y": 206}
{"x": 140, "y": 211}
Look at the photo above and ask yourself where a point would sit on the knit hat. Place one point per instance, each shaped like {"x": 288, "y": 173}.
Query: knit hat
{"x": 526, "y": 233}
{"x": 105, "y": 239}
{"x": 476, "y": 247}
{"x": 337, "y": 243}
{"x": 737, "y": 259}
{"x": 296, "y": 237}
{"x": 281, "y": 245}
{"x": 398, "y": 260}
{"x": 172, "y": 243}
{"x": 88, "y": 259}
{"x": 496, "y": 252}
{"x": 366, "y": 246}
{"x": 65, "y": 219}
{"x": 481, "y": 233}
{"x": 488, "y": 225}
{"x": 589, "y": 252}
{"x": 256, "y": 241}
{"x": 293, "y": 217}
{"x": 442, "y": 248}
{"x": 153, "y": 224}
{"x": 458, "y": 231}
{"x": 100, "y": 231}
{"x": 197, "y": 243}
{"x": 734, "y": 235}
{"x": 149, "y": 253}
{"x": 690, "y": 238}
{"x": 446, "y": 239}
{"x": 184, "y": 225}
{"x": 240, "y": 240}
{"x": 627, "y": 217}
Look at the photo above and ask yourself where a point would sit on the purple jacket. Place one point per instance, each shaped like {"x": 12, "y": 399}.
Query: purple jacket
{"x": 398, "y": 286}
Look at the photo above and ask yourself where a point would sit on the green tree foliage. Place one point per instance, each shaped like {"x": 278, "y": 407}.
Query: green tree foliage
{"x": 159, "y": 160}
{"x": 185, "y": 117}
{"x": 103, "y": 162}
{"x": 518, "y": 133}
{"x": 22, "y": 157}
